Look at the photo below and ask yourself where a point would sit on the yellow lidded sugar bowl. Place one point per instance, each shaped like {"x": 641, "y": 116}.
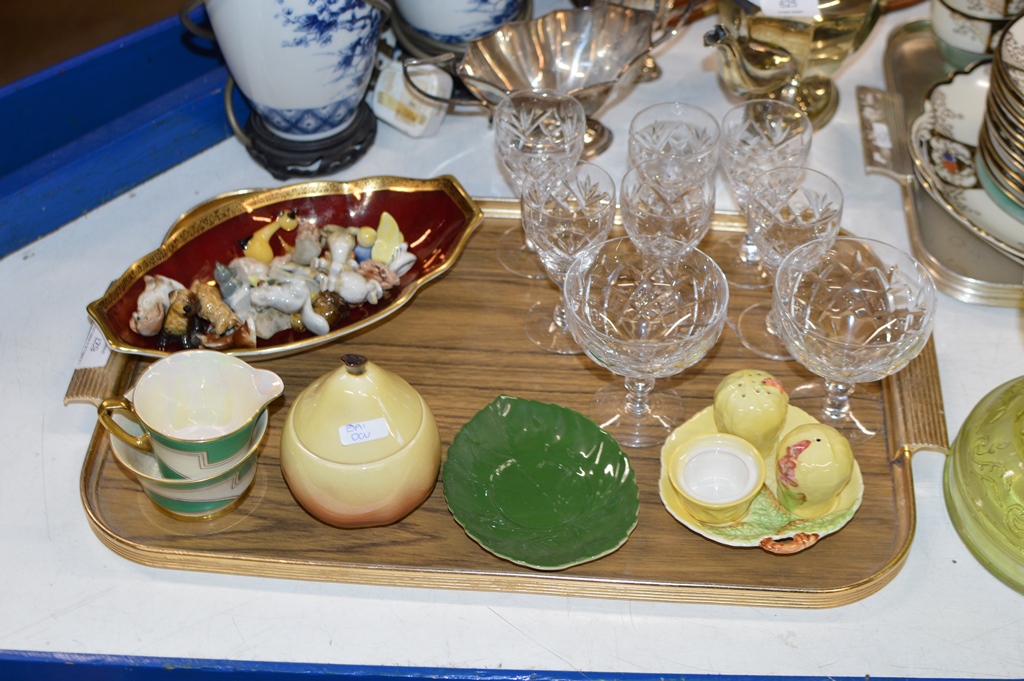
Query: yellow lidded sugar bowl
{"x": 360, "y": 447}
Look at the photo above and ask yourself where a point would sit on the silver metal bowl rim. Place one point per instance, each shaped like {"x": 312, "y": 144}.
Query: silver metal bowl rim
{"x": 589, "y": 9}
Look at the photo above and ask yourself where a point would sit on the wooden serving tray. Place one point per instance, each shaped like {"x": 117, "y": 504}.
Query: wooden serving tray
{"x": 461, "y": 343}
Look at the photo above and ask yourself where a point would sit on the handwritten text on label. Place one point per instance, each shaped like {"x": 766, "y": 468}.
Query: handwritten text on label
{"x": 367, "y": 431}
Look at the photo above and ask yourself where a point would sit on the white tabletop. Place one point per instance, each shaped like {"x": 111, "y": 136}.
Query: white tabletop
{"x": 64, "y": 591}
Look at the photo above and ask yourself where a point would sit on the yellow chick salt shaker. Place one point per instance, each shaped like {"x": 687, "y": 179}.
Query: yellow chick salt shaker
{"x": 813, "y": 465}
{"x": 752, "y": 404}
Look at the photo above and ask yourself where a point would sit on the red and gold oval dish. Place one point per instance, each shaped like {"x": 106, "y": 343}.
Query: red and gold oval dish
{"x": 436, "y": 217}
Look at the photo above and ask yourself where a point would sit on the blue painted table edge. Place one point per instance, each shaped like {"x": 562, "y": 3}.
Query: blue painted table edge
{"x": 99, "y": 124}
{"x": 40, "y": 666}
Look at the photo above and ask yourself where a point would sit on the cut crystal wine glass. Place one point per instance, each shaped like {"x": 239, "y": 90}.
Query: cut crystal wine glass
{"x": 531, "y": 128}
{"x": 757, "y": 136}
{"x": 668, "y": 197}
{"x": 675, "y": 129}
{"x": 644, "y": 308}
{"x": 786, "y": 207}
{"x": 563, "y": 213}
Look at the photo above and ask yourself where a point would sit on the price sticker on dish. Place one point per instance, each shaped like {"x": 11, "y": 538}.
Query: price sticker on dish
{"x": 367, "y": 431}
{"x": 95, "y": 352}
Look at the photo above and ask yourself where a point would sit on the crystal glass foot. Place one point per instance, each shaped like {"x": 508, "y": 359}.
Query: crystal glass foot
{"x": 534, "y": 128}
{"x": 757, "y": 136}
{"x": 517, "y": 255}
{"x": 564, "y": 212}
{"x": 547, "y": 327}
{"x": 644, "y": 308}
{"x": 852, "y": 311}
{"x": 786, "y": 207}
{"x": 754, "y": 327}
{"x": 859, "y": 416}
{"x": 738, "y": 256}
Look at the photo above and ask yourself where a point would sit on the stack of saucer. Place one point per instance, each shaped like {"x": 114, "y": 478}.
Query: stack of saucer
{"x": 1000, "y": 143}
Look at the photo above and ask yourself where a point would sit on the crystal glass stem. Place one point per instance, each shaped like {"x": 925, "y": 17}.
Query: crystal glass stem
{"x": 748, "y": 250}
{"x": 837, "y": 400}
{"x": 638, "y": 391}
{"x": 558, "y": 315}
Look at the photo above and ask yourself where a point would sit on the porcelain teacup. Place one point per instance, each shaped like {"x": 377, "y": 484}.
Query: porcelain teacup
{"x": 197, "y": 409}
{"x": 717, "y": 476}
{"x": 195, "y": 499}
{"x": 963, "y": 38}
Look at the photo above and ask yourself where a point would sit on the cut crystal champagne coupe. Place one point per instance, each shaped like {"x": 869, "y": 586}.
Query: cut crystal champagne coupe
{"x": 644, "y": 308}
{"x": 851, "y": 311}
{"x": 531, "y": 128}
{"x": 786, "y": 207}
{"x": 563, "y": 213}
{"x": 757, "y": 136}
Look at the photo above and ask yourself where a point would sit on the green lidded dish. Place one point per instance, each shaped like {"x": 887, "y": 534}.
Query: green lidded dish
{"x": 540, "y": 485}
{"x": 984, "y": 482}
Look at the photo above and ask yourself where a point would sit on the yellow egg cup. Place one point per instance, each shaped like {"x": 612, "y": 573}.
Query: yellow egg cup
{"x": 734, "y": 468}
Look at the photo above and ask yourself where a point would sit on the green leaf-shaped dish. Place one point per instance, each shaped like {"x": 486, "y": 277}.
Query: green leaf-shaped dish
{"x": 767, "y": 522}
{"x": 540, "y": 485}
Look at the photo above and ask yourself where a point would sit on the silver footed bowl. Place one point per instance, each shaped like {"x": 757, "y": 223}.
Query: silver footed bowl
{"x": 590, "y": 53}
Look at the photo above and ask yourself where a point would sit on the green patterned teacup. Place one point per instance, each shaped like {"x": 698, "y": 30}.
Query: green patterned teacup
{"x": 203, "y": 499}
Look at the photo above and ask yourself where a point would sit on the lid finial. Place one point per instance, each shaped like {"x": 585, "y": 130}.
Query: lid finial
{"x": 354, "y": 364}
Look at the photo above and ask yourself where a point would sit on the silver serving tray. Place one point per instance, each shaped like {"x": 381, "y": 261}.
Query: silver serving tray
{"x": 964, "y": 266}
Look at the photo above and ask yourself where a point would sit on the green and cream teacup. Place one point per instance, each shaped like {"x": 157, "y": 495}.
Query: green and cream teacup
{"x": 197, "y": 411}
{"x": 203, "y": 499}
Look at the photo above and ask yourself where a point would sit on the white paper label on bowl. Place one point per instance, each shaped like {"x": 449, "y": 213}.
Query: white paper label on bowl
{"x": 789, "y": 8}
{"x": 95, "y": 352}
{"x": 367, "y": 431}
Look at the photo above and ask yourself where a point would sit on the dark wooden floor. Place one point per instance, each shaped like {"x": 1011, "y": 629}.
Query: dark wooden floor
{"x": 35, "y": 34}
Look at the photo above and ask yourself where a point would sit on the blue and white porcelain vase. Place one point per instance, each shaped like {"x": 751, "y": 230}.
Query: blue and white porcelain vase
{"x": 457, "y": 21}
{"x": 304, "y": 65}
